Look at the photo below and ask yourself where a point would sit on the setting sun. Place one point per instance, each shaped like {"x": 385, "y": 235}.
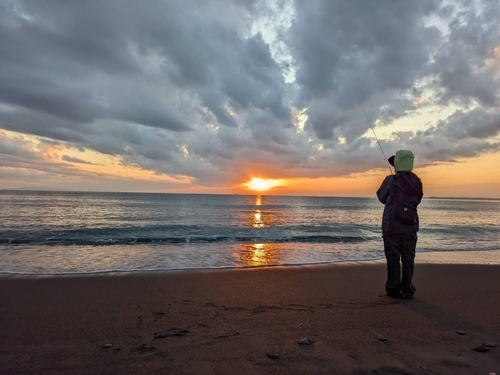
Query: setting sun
{"x": 260, "y": 184}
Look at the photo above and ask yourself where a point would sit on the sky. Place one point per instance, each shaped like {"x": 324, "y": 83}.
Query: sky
{"x": 201, "y": 96}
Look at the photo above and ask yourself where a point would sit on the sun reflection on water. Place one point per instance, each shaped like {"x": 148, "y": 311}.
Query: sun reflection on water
{"x": 258, "y": 200}
{"x": 257, "y": 220}
{"x": 257, "y": 215}
{"x": 257, "y": 254}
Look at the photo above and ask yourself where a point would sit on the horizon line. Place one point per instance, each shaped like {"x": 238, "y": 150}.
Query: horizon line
{"x": 228, "y": 194}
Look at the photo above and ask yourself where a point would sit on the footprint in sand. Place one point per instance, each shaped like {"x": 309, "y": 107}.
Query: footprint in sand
{"x": 202, "y": 328}
{"x": 172, "y": 332}
{"x": 143, "y": 349}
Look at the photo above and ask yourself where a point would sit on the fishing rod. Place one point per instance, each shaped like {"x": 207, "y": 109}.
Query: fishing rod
{"x": 379, "y": 145}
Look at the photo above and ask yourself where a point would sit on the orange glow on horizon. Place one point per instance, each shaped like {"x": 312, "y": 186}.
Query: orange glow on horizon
{"x": 85, "y": 169}
{"x": 260, "y": 184}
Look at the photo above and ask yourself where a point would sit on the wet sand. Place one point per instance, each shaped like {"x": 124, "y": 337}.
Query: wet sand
{"x": 250, "y": 321}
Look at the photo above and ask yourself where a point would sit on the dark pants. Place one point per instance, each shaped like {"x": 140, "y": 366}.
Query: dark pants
{"x": 400, "y": 246}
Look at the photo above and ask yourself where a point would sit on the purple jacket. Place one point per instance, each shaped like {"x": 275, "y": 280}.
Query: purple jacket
{"x": 401, "y": 193}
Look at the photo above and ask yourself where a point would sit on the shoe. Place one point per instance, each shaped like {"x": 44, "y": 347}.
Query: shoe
{"x": 407, "y": 296}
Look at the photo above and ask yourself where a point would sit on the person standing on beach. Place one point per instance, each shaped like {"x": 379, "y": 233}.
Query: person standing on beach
{"x": 401, "y": 194}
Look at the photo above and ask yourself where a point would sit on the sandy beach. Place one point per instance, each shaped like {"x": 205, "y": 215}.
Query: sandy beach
{"x": 250, "y": 321}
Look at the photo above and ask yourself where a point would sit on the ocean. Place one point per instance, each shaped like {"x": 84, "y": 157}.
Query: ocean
{"x": 84, "y": 232}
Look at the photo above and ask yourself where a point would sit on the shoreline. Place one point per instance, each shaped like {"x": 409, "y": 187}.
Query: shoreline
{"x": 484, "y": 257}
{"x": 250, "y": 321}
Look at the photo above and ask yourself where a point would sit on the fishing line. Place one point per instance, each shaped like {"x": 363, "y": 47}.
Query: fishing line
{"x": 379, "y": 145}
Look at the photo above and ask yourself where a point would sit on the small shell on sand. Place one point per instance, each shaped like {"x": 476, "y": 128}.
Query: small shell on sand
{"x": 306, "y": 341}
{"x": 107, "y": 346}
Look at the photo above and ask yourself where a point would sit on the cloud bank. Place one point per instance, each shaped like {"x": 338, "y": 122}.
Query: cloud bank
{"x": 217, "y": 92}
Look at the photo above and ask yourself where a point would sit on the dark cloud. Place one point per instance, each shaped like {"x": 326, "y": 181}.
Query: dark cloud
{"x": 207, "y": 90}
{"x": 354, "y": 52}
{"x": 30, "y": 121}
{"x": 15, "y": 147}
{"x": 463, "y": 134}
{"x": 464, "y": 65}
{"x": 477, "y": 123}
{"x": 71, "y": 159}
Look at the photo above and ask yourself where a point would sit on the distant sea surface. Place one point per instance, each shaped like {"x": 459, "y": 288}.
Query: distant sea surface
{"x": 75, "y": 232}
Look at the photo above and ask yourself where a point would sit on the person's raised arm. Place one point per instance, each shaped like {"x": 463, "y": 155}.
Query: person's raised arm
{"x": 383, "y": 191}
